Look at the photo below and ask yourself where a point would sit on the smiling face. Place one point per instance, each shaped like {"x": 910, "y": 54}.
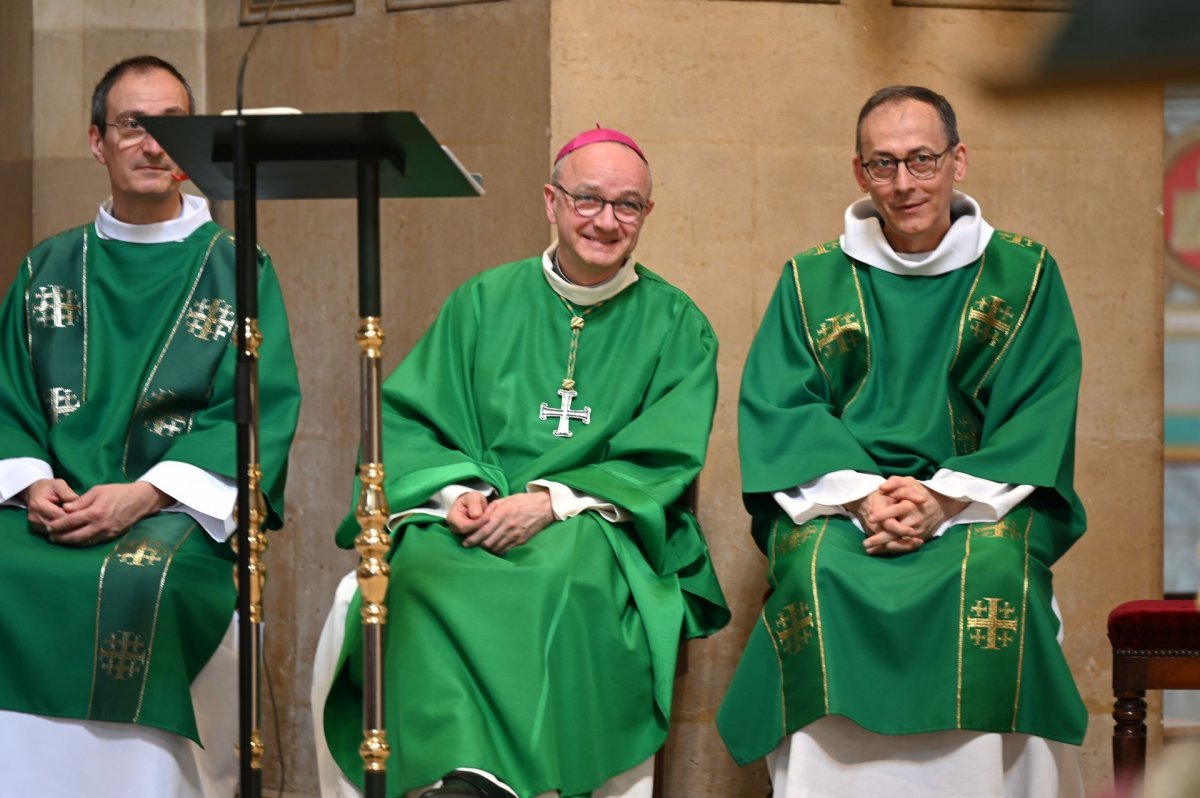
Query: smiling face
{"x": 591, "y": 250}
{"x": 145, "y": 184}
{"x": 916, "y": 213}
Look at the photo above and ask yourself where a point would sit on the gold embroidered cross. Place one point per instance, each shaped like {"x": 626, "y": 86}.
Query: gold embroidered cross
{"x": 841, "y": 330}
{"x": 992, "y": 623}
{"x": 1004, "y": 528}
{"x": 55, "y": 306}
{"x": 164, "y": 423}
{"x": 793, "y": 539}
{"x": 63, "y": 402}
{"x": 793, "y": 627}
{"x": 990, "y": 319}
{"x": 123, "y": 655}
{"x": 1017, "y": 238}
{"x": 148, "y": 552}
{"x": 210, "y": 319}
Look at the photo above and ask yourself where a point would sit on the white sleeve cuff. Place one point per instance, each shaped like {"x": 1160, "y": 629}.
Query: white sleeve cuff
{"x": 438, "y": 505}
{"x": 17, "y": 474}
{"x": 567, "y": 503}
{"x": 826, "y": 494}
{"x": 207, "y": 497}
{"x": 988, "y": 501}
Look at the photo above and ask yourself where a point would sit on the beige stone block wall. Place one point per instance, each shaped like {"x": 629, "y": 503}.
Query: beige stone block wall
{"x": 747, "y": 113}
{"x": 73, "y": 43}
{"x": 16, "y": 148}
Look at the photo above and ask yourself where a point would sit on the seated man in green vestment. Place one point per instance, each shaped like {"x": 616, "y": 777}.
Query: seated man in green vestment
{"x": 117, "y": 476}
{"x": 907, "y": 434}
{"x": 537, "y": 441}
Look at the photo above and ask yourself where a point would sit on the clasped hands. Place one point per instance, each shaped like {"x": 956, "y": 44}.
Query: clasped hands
{"x": 901, "y": 515}
{"x": 500, "y": 524}
{"x": 100, "y": 514}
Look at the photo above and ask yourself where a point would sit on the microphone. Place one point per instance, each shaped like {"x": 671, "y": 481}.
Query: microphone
{"x": 249, "y": 49}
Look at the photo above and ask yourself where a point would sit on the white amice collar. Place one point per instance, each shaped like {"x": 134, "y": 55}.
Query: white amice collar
{"x": 587, "y": 294}
{"x": 194, "y": 213}
{"x": 962, "y": 245}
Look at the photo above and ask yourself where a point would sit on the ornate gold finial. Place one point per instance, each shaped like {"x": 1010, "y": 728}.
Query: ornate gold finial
{"x": 374, "y": 750}
{"x": 370, "y": 337}
{"x": 373, "y": 543}
{"x": 252, "y": 337}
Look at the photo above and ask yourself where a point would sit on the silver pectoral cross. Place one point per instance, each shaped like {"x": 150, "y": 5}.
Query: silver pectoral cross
{"x": 565, "y": 414}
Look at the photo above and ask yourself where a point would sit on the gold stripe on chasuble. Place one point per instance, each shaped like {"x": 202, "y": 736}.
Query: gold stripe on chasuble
{"x": 1024, "y": 625}
{"x": 989, "y": 620}
{"x": 817, "y": 612}
{"x": 142, "y": 401}
{"x": 1016, "y": 327}
{"x": 962, "y": 609}
{"x": 792, "y": 628}
{"x": 121, "y": 654}
{"x": 812, "y": 346}
{"x": 839, "y": 333}
{"x": 866, "y": 333}
{"x": 956, "y": 428}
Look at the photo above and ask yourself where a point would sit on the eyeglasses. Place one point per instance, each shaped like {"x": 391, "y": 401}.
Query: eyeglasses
{"x": 128, "y": 129}
{"x": 589, "y": 205}
{"x": 922, "y": 166}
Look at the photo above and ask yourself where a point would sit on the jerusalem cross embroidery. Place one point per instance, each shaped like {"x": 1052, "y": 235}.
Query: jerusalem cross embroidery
{"x": 838, "y": 334}
{"x": 1004, "y": 528}
{"x": 792, "y": 539}
{"x": 141, "y": 553}
{"x": 55, "y": 306}
{"x": 123, "y": 655}
{"x": 966, "y": 433}
{"x": 793, "y": 628}
{"x": 164, "y": 423}
{"x": 825, "y": 249}
{"x": 991, "y": 623}
{"x": 62, "y": 402}
{"x": 210, "y": 319}
{"x": 1017, "y": 238}
{"x": 991, "y": 319}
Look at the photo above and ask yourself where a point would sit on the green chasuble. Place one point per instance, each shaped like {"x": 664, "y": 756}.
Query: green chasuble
{"x": 553, "y": 665}
{"x": 115, "y": 356}
{"x": 976, "y": 371}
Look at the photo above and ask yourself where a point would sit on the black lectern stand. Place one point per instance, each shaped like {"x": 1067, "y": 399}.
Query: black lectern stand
{"x": 311, "y": 156}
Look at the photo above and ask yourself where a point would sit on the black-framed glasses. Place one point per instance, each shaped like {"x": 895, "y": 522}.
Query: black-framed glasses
{"x": 921, "y": 165}
{"x": 128, "y": 128}
{"x": 589, "y": 205}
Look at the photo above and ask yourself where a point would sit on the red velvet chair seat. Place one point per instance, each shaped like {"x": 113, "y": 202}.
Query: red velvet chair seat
{"x": 1156, "y": 626}
{"x": 1156, "y": 646}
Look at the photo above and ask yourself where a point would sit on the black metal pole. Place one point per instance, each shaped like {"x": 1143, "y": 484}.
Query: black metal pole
{"x": 247, "y": 307}
{"x": 373, "y": 543}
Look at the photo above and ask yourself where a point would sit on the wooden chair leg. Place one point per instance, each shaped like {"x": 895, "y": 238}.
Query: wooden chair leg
{"x": 1129, "y": 734}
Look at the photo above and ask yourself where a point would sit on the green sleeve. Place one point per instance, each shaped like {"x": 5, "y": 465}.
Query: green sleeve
{"x": 430, "y": 424}
{"x": 788, "y": 430}
{"x": 1028, "y": 430}
{"x": 647, "y": 466}
{"x": 23, "y": 428}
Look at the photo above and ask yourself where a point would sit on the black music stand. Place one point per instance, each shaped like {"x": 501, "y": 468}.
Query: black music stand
{"x": 309, "y": 156}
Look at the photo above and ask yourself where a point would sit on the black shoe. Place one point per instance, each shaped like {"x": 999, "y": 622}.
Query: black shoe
{"x": 465, "y": 784}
